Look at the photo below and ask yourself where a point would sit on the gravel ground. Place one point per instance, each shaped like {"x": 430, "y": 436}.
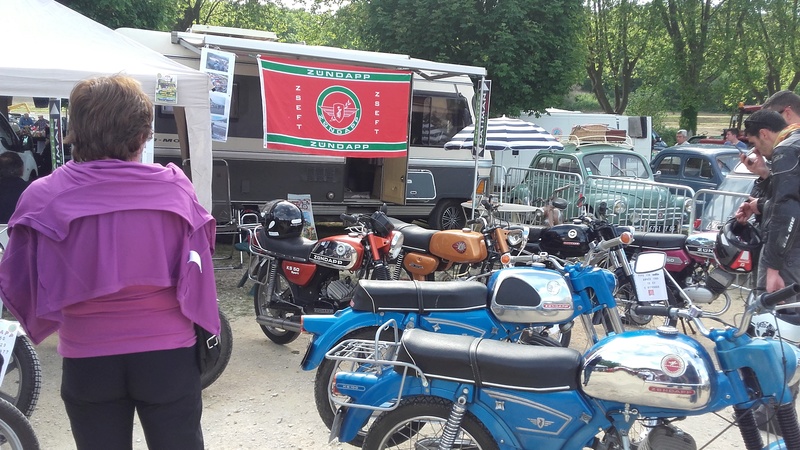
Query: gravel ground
{"x": 263, "y": 399}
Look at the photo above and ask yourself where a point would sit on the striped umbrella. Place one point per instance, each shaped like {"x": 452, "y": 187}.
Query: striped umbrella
{"x": 503, "y": 133}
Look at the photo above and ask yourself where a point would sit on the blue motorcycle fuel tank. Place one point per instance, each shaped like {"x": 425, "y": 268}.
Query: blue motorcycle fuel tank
{"x": 660, "y": 368}
{"x": 533, "y": 295}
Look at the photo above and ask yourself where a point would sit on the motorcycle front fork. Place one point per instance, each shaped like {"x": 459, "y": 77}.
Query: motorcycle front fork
{"x": 787, "y": 419}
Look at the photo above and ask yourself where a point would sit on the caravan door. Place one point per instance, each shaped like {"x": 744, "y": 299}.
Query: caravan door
{"x": 393, "y": 180}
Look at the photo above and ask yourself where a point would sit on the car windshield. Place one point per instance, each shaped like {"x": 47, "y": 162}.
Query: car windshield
{"x": 616, "y": 165}
{"x": 726, "y": 163}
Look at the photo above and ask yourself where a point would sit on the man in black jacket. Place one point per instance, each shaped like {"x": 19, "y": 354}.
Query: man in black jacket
{"x": 780, "y": 207}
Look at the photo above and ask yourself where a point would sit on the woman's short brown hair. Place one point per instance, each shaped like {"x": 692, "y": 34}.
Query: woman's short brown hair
{"x": 110, "y": 117}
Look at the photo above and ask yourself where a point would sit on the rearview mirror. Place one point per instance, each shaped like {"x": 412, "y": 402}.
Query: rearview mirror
{"x": 647, "y": 262}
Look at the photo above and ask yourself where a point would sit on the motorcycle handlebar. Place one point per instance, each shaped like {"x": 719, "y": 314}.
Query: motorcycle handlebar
{"x": 645, "y": 310}
{"x": 773, "y": 298}
{"x": 347, "y": 218}
{"x": 623, "y": 239}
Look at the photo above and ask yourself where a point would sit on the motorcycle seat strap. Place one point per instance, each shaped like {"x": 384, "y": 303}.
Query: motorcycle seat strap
{"x": 661, "y": 241}
{"x": 491, "y": 363}
{"x": 473, "y": 361}
{"x": 418, "y": 297}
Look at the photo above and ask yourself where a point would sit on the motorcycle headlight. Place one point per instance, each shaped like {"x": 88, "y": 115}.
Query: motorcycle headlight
{"x": 619, "y": 207}
{"x": 687, "y": 205}
{"x": 514, "y": 238}
{"x": 395, "y": 245}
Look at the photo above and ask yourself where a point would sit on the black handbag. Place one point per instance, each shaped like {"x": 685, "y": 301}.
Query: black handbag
{"x": 208, "y": 348}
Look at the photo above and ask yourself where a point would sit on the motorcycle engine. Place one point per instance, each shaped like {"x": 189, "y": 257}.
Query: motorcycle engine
{"x": 338, "y": 290}
{"x": 668, "y": 437}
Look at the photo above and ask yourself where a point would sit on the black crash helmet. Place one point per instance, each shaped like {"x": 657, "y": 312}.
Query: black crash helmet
{"x": 283, "y": 219}
{"x": 736, "y": 247}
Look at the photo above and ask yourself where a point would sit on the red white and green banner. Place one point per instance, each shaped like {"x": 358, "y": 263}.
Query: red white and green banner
{"x": 334, "y": 109}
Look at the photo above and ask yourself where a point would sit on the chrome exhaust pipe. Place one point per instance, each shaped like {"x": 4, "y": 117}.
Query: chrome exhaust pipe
{"x": 288, "y": 325}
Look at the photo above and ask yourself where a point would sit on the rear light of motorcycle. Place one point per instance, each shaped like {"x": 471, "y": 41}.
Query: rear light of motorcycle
{"x": 697, "y": 223}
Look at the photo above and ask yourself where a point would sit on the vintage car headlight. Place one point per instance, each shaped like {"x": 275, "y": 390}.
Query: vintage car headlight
{"x": 634, "y": 218}
{"x": 620, "y": 207}
{"x": 396, "y": 244}
{"x": 687, "y": 205}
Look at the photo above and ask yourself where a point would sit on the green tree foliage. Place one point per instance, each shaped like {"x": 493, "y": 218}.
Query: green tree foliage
{"x": 529, "y": 47}
{"x": 146, "y": 14}
{"x": 617, "y": 37}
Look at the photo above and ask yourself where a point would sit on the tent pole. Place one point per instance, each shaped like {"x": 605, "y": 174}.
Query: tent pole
{"x": 183, "y": 139}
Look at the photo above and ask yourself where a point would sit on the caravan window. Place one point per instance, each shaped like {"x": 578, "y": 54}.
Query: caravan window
{"x": 437, "y": 116}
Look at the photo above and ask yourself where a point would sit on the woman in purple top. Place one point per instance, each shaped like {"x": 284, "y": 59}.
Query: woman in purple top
{"x": 115, "y": 256}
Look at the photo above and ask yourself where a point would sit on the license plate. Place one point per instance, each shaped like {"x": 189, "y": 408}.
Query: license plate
{"x": 662, "y": 228}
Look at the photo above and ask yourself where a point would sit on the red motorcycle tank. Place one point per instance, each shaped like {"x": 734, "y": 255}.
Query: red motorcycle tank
{"x": 342, "y": 252}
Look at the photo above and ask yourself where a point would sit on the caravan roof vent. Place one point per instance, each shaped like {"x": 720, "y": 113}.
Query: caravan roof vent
{"x": 234, "y": 32}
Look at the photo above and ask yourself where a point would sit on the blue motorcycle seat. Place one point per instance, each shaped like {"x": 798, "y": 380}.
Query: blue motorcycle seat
{"x": 294, "y": 248}
{"x": 413, "y": 296}
{"x": 661, "y": 241}
{"x": 487, "y": 362}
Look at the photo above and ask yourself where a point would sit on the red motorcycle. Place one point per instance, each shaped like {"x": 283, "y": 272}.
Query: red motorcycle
{"x": 296, "y": 276}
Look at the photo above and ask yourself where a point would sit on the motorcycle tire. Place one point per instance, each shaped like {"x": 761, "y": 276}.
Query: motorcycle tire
{"x": 210, "y": 375}
{"x": 328, "y": 368}
{"x": 275, "y": 334}
{"x": 23, "y": 377}
{"x": 16, "y": 431}
{"x": 411, "y": 420}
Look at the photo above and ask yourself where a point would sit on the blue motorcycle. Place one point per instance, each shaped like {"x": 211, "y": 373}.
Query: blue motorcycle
{"x": 457, "y": 392}
{"x": 518, "y": 304}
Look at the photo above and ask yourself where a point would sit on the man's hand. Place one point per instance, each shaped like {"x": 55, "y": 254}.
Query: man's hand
{"x": 747, "y": 209}
{"x": 754, "y": 162}
{"x": 774, "y": 280}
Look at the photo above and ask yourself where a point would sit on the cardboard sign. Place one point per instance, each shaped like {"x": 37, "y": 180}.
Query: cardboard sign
{"x": 651, "y": 286}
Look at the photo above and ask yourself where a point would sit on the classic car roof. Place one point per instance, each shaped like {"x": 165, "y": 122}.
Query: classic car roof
{"x": 704, "y": 149}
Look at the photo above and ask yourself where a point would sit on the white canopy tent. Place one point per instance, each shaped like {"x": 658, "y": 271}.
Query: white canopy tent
{"x": 50, "y": 47}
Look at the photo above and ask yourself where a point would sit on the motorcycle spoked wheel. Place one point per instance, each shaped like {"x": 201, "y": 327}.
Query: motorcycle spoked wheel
{"x": 418, "y": 422}
{"x": 208, "y": 377}
{"x": 16, "y": 432}
{"x": 626, "y": 299}
{"x": 23, "y": 378}
{"x": 329, "y": 368}
{"x": 262, "y": 300}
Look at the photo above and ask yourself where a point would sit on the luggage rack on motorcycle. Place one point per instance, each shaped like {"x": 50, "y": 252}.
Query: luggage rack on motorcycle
{"x": 373, "y": 356}
{"x": 250, "y": 223}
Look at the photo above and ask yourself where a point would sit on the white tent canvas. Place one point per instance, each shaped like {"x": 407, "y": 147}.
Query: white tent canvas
{"x": 50, "y": 47}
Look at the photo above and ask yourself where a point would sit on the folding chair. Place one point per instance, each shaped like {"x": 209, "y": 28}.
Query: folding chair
{"x": 224, "y": 213}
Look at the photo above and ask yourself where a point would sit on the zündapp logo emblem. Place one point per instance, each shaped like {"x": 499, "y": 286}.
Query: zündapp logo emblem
{"x": 338, "y": 110}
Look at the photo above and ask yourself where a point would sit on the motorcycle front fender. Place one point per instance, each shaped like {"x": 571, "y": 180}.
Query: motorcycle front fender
{"x": 328, "y": 330}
